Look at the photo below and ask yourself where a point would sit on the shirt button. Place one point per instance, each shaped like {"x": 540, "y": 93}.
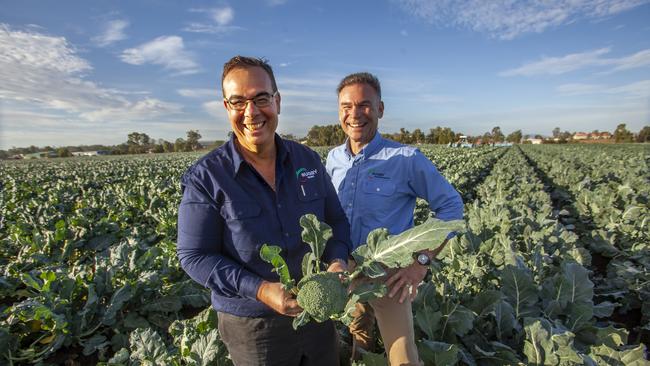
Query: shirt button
{"x": 352, "y": 184}
{"x": 279, "y": 205}
{"x": 349, "y": 205}
{"x": 286, "y": 234}
{"x": 378, "y": 189}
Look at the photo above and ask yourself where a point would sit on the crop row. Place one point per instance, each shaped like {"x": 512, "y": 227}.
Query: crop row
{"x": 609, "y": 196}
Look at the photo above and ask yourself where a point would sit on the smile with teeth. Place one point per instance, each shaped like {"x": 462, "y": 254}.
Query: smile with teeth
{"x": 254, "y": 126}
{"x": 356, "y": 125}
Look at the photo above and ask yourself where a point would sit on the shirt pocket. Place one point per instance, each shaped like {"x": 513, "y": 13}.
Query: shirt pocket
{"x": 233, "y": 210}
{"x": 381, "y": 187}
{"x": 243, "y": 222}
{"x": 311, "y": 199}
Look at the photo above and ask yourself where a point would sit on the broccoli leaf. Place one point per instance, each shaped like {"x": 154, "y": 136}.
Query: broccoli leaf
{"x": 397, "y": 251}
{"x": 315, "y": 234}
{"x": 271, "y": 254}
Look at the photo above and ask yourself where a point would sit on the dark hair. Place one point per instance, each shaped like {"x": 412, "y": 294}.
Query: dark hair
{"x": 360, "y": 78}
{"x": 242, "y": 62}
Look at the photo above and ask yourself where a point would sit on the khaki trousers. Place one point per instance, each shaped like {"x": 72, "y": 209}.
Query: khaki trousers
{"x": 395, "y": 322}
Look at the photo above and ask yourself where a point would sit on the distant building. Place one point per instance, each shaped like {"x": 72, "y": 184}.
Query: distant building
{"x": 90, "y": 153}
{"x": 580, "y": 136}
{"x": 534, "y": 141}
{"x": 41, "y": 155}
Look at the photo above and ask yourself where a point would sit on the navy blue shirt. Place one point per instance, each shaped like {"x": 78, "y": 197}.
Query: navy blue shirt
{"x": 228, "y": 211}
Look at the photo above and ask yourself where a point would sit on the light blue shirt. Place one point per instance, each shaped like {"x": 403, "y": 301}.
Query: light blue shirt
{"x": 378, "y": 187}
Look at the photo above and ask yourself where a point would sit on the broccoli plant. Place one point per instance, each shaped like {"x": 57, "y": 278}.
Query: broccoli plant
{"x": 324, "y": 295}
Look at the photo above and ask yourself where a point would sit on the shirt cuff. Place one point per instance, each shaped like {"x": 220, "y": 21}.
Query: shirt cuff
{"x": 248, "y": 286}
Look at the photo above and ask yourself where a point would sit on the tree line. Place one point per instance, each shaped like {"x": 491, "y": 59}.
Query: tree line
{"x": 327, "y": 135}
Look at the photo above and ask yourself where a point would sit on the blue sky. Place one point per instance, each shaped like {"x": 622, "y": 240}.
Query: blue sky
{"x": 85, "y": 72}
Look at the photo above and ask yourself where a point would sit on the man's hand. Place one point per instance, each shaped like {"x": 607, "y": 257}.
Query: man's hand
{"x": 274, "y": 296}
{"x": 337, "y": 265}
{"x": 406, "y": 281}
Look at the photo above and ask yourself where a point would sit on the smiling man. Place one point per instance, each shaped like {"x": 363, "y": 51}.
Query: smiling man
{"x": 378, "y": 181}
{"x": 250, "y": 191}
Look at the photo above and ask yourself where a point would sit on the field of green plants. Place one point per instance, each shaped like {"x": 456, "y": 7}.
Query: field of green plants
{"x": 553, "y": 270}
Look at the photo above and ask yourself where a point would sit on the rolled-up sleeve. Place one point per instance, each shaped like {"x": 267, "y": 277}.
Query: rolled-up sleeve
{"x": 429, "y": 184}
{"x": 199, "y": 246}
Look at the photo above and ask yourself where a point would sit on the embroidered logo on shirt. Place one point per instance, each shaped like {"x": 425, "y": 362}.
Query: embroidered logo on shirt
{"x": 379, "y": 175}
{"x": 304, "y": 175}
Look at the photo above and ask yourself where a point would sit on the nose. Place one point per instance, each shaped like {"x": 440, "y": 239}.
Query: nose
{"x": 250, "y": 109}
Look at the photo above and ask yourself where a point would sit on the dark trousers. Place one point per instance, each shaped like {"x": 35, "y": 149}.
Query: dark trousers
{"x": 272, "y": 341}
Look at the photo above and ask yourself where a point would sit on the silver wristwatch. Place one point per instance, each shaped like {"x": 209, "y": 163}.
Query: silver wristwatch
{"x": 423, "y": 259}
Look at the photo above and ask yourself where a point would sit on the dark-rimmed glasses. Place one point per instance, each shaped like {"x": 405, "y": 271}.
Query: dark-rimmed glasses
{"x": 261, "y": 100}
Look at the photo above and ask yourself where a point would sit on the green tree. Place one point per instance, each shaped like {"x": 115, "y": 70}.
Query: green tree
{"x": 621, "y": 134}
{"x": 644, "y": 135}
{"x": 63, "y": 152}
{"x": 556, "y": 132}
{"x": 497, "y": 135}
{"x": 138, "y": 142}
{"x": 514, "y": 137}
{"x": 192, "y": 143}
{"x": 418, "y": 136}
{"x": 167, "y": 146}
{"x": 179, "y": 145}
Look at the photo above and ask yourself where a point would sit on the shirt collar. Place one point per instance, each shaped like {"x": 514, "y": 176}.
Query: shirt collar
{"x": 238, "y": 159}
{"x": 372, "y": 147}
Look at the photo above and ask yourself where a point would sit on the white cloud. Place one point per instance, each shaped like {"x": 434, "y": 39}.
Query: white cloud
{"x": 223, "y": 16}
{"x": 579, "y": 89}
{"x": 200, "y": 93}
{"x": 276, "y": 2}
{"x": 636, "y": 90}
{"x": 576, "y": 61}
{"x": 42, "y": 74}
{"x": 220, "y": 21}
{"x": 113, "y": 32}
{"x": 507, "y": 19}
{"x": 559, "y": 65}
{"x": 146, "y": 109}
{"x": 215, "y": 108}
{"x": 166, "y": 51}
{"x": 639, "y": 59}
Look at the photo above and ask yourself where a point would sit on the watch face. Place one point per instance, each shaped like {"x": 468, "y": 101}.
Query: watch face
{"x": 423, "y": 259}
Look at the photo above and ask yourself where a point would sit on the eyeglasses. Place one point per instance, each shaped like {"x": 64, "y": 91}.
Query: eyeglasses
{"x": 261, "y": 100}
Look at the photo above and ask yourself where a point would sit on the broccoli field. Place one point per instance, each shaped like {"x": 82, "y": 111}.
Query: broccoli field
{"x": 554, "y": 268}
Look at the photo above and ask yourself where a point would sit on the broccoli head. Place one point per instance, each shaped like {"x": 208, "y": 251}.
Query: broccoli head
{"x": 322, "y": 295}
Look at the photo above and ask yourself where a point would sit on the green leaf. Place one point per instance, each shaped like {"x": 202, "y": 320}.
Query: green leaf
{"x": 538, "y": 346}
{"x": 165, "y": 304}
{"x": 302, "y": 319}
{"x": 485, "y": 302}
{"x": 457, "y": 320}
{"x": 397, "y": 251}
{"x": 520, "y": 291}
{"x": 147, "y": 345}
{"x": 499, "y": 355}
{"x": 119, "y": 298}
{"x": 95, "y": 343}
{"x": 438, "y": 353}
{"x": 315, "y": 234}
{"x": 604, "y": 309}
{"x": 206, "y": 348}
{"x": 271, "y": 254}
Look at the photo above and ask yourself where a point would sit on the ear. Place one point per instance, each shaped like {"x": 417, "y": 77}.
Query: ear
{"x": 278, "y": 99}
{"x": 225, "y": 104}
{"x": 380, "y": 109}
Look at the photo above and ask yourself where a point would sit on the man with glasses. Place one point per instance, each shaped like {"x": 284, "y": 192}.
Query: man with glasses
{"x": 378, "y": 181}
{"x": 250, "y": 191}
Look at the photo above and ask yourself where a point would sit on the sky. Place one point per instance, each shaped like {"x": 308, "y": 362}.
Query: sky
{"x": 90, "y": 72}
